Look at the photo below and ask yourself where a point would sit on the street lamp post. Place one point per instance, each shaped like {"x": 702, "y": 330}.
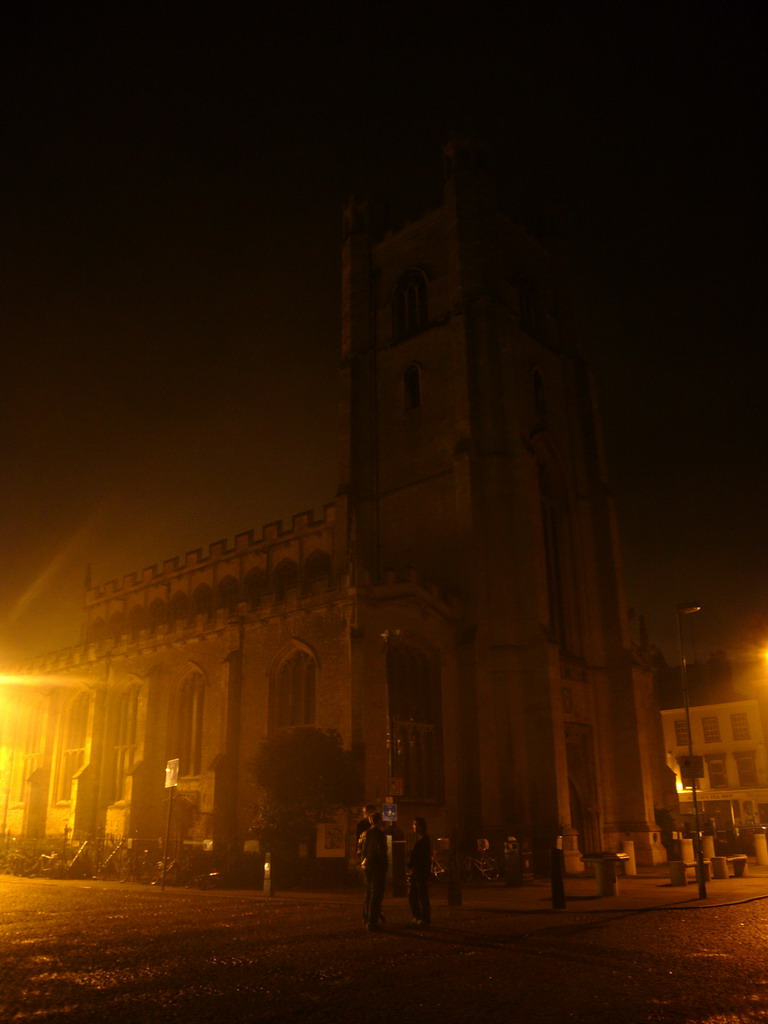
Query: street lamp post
{"x": 691, "y": 609}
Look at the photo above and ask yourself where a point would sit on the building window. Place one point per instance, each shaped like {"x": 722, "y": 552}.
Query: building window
{"x": 72, "y": 756}
{"x": 745, "y": 764}
{"x": 740, "y": 726}
{"x": 286, "y": 578}
{"x": 317, "y": 569}
{"x": 180, "y": 610}
{"x": 711, "y": 727}
{"x": 718, "y": 776}
{"x": 255, "y": 588}
{"x": 412, "y": 387}
{"x": 138, "y": 621}
{"x": 202, "y": 602}
{"x": 158, "y": 615}
{"x": 227, "y": 596}
{"x": 409, "y": 305}
{"x": 292, "y": 696}
{"x": 681, "y": 732}
{"x": 191, "y": 716}
{"x": 415, "y": 716}
{"x": 124, "y": 752}
{"x": 32, "y": 753}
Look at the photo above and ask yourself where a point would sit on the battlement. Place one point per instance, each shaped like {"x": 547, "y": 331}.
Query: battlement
{"x": 273, "y": 533}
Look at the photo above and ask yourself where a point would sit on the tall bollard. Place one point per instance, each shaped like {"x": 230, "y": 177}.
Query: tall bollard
{"x": 761, "y": 851}
{"x": 454, "y": 883}
{"x": 557, "y": 876}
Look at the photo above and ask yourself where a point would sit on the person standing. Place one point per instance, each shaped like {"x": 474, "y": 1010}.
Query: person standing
{"x": 419, "y": 867}
{"x": 375, "y": 863}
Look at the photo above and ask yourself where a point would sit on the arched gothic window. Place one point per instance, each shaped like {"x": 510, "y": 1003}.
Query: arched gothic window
{"x": 286, "y": 576}
{"x": 124, "y": 750}
{"x": 96, "y": 631}
{"x": 158, "y": 614}
{"x": 137, "y": 620}
{"x": 412, "y": 387}
{"x": 31, "y": 750}
{"x": 409, "y": 305}
{"x": 415, "y": 720}
{"x": 73, "y": 739}
{"x": 227, "y": 595}
{"x": 255, "y": 587}
{"x": 191, "y": 716}
{"x": 116, "y": 626}
{"x": 180, "y": 610}
{"x": 317, "y": 568}
{"x": 202, "y": 602}
{"x": 292, "y": 692}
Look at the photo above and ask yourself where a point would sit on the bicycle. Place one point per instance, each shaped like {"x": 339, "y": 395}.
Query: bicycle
{"x": 480, "y": 863}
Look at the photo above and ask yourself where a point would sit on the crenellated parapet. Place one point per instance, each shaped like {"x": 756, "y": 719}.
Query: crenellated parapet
{"x": 205, "y": 588}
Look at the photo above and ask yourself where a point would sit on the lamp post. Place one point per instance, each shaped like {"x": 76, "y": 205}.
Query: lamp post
{"x": 691, "y": 609}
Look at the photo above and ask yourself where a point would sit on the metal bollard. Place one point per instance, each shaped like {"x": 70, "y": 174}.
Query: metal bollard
{"x": 268, "y": 887}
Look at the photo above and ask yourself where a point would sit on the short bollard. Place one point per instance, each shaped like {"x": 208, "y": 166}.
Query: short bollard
{"x": 268, "y": 888}
{"x": 557, "y": 877}
{"x": 761, "y": 850}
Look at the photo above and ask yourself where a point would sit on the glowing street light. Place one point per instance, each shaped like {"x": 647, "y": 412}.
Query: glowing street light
{"x": 691, "y": 609}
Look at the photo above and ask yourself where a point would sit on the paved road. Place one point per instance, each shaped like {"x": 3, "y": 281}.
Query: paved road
{"x": 81, "y": 952}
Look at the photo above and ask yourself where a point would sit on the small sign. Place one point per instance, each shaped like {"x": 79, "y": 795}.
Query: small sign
{"x": 389, "y": 813}
{"x": 396, "y": 785}
{"x": 691, "y": 766}
{"x": 172, "y": 773}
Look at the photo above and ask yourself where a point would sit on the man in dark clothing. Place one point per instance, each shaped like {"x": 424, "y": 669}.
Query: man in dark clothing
{"x": 375, "y": 864}
{"x": 419, "y": 867}
{"x": 362, "y": 827}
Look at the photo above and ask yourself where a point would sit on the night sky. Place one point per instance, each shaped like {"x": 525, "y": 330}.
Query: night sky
{"x": 173, "y": 187}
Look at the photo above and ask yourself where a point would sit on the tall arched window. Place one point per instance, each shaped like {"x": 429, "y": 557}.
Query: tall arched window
{"x": 415, "y": 720}
{"x": 202, "y": 602}
{"x": 124, "y": 750}
{"x": 73, "y": 739}
{"x": 137, "y": 621}
{"x": 227, "y": 595}
{"x": 96, "y": 631}
{"x": 409, "y": 305}
{"x": 180, "y": 610}
{"x": 292, "y": 692}
{"x": 317, "y": 568}
{"x": 286, "y": 576}
{"x": 255, "y": 587}
{"x": 158, "y": 614}
{"x": 412, "y": 387}
{"x": 31, "y": 750}
{"x": 191, "y": 715}
{"x": 116, "y": 626}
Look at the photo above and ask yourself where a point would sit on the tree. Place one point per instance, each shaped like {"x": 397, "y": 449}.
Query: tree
{"x": 303, "y": 776}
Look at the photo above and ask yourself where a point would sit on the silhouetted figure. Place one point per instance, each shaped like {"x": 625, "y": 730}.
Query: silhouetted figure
{"x": 375, "y": 863}
{"x": 419, "y": 867}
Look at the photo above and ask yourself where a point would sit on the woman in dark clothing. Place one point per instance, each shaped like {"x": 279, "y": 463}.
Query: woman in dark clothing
{"x": 419, "y": 867}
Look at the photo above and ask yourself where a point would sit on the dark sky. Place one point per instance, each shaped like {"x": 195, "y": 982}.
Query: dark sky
{"x": 173, "y": 186}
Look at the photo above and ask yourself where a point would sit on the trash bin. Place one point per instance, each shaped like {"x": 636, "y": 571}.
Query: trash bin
{"x": 604, "y": 869}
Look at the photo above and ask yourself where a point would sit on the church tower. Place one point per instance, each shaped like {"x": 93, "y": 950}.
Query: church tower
{"x": 472, "y": 457}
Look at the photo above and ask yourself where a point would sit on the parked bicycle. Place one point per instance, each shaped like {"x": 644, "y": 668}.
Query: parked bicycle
{"x": 480, "y": 864}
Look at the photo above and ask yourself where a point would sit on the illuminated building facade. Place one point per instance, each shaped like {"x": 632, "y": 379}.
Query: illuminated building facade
{"x": 731, "y": 739}
{"x": 456, "y": 613}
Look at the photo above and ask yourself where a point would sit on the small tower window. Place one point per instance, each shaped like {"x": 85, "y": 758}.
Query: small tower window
{"x": 409, "y": 305}
{"x": 412, "y": 387}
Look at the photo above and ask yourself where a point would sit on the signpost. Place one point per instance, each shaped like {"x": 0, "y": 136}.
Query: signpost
{"x": 171, "y": 781}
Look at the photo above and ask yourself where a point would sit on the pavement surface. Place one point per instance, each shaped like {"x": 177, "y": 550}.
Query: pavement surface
{"x": 650, "y": 889}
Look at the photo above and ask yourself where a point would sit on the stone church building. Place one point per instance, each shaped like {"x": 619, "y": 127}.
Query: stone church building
{"x": 456, "y": 613}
